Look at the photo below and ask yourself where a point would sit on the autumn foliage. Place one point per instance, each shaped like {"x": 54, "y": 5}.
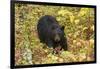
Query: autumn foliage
{"x": 79, "y": 31}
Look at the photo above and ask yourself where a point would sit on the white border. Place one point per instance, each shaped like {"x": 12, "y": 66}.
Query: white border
{"x": 5, "y": 34}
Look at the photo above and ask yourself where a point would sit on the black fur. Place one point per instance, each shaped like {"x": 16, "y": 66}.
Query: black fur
{"x": 51, "y": 33}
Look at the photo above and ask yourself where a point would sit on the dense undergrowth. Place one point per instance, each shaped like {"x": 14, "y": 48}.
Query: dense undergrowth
{"x": 79, "y": 31}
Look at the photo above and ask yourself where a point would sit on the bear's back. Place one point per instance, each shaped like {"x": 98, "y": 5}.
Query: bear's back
{"x": 48, "y": 20}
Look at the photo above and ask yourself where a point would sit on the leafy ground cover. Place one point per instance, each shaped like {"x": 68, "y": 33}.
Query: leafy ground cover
{"x": 79, "y": 31}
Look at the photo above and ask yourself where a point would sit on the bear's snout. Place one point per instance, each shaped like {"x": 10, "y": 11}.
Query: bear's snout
{"x": 57, "y": 38}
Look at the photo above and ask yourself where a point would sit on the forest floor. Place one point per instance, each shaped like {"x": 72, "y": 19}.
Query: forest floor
{"x": 79, "y": 31}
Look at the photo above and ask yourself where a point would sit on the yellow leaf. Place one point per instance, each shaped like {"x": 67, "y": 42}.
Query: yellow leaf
{"x": 83, "y": 11}
{"x": 92, "y": 27}
{"x": 84, "y": 28}
{"x": 71, "y": 18}
{"x": 60, "y": 60}
{"x": 74, "y": 41}
{"x": 77, "y": 21}
{"x": 63, "y": 12}
{"x": 58, "y": 19}
{"x": 78, "y": 44}
{"x": 82, "y": 56}
{"x": 91, "y": 41}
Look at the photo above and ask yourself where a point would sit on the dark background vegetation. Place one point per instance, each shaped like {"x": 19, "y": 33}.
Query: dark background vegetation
{"x": 79, "y": 31}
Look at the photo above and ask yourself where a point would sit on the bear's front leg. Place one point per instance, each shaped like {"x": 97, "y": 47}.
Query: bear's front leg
{"x": 63, "y": 44}
{"x": 49, "y": 43}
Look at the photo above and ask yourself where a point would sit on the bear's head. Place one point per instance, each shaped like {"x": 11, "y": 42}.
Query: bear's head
{"x": 57, "y": 33}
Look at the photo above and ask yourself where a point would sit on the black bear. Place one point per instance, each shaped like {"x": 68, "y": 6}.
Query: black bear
{"x": 51, "y": 33}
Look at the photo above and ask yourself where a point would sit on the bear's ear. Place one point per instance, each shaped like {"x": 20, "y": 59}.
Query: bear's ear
{"x": 62, "y": 28}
